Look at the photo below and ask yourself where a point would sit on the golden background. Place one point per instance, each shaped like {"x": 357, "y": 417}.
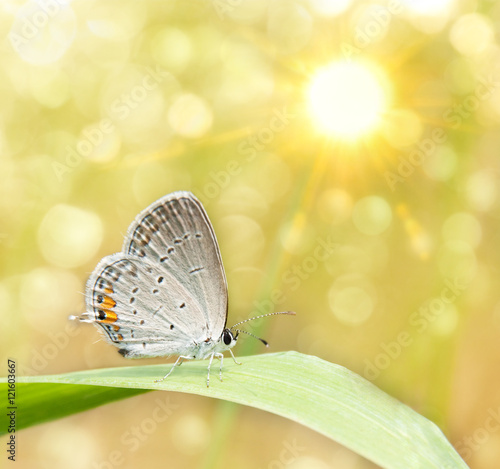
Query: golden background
{"x": 347, "y": 154}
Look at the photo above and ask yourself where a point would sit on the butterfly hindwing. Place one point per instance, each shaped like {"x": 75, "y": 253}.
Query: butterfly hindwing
{"x": 143, "y": 309}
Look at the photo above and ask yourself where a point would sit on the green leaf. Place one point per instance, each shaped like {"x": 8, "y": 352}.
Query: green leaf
{"x": 323, "y": 396}
{"x": 42, "y": 402}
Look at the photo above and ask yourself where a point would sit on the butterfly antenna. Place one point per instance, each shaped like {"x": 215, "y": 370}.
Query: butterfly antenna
{"x": 292, "y": 313}
{"x": 254, "y": 336}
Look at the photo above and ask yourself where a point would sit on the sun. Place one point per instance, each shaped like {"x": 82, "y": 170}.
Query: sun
{"x": 347, "y": 99}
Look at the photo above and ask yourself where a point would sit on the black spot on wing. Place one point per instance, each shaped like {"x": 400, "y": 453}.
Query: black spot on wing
{"x": 196, "y": 269}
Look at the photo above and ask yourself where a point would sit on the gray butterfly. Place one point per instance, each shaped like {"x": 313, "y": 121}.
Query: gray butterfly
{"x": 166, "y": 292}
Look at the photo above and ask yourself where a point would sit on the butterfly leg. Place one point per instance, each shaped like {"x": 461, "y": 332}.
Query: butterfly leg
{"x": 220, "y": 356}
{"x": 232, "y": 354}
{"x": 209, "y": 365}
{"x": 180, "y": 359}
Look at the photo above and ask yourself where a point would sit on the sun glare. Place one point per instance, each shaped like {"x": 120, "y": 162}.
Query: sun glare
{"x": 346, "y": 99}
{"x": 428, "y": 7}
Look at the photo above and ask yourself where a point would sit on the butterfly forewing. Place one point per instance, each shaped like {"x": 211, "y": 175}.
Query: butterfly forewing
{"x": 175, "y": 234}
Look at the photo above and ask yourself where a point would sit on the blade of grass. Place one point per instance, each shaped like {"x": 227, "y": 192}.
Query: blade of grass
{"x": 294, "y": 219}
{"x": 227, "y": 412}
{"x": 41, "y": 402}
{"x": 325, "y": 397}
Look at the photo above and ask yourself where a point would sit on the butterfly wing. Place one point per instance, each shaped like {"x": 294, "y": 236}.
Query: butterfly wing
{"x": 142, "y": 308}
{"x": 175, "y": 234}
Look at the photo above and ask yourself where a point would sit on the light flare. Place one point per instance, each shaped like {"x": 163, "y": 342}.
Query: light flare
{"x": 347, "y": 99}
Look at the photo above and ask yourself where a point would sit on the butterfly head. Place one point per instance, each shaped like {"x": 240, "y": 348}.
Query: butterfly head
{"x": 229, "y": 338}
{"x": 227, "y": 341}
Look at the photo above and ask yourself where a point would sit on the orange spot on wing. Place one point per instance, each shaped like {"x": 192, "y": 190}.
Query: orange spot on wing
{"x": 108, "y": 303}
{"x": 120, "y": 337}
{"x": 109, "y": 290}
{"x": 110, "y": 317}
{"x": 116, "y": 328}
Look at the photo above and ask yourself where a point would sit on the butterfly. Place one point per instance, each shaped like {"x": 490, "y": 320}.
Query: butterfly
{"x": 166, "y": 292}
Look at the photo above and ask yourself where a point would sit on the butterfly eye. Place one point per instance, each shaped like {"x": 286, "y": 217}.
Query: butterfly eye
{"x": 228, "y": 337}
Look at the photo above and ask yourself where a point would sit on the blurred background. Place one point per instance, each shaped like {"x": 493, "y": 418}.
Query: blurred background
{"x": 347, "y": 155}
